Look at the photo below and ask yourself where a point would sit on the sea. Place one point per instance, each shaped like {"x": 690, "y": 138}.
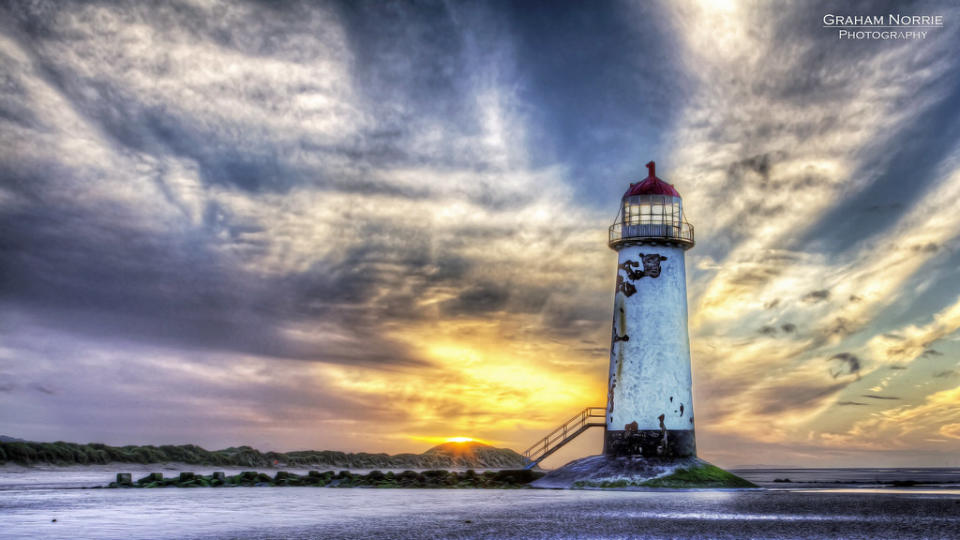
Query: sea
{"x": 790, "y": 503}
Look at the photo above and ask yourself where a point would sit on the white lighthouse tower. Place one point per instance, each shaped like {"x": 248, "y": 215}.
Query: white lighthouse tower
{"x": 650, "y": 400}
{"x": 648, "y": 421}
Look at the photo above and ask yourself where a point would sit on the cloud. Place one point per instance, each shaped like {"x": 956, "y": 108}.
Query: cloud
{"x": 950, "y": 430}
{"x": 290, "y": 213}
{"x": 913, "y": 341}
{"x": 900, "y": 427}
{"x": 43, "y": 389}
{"x": 929, "y": 247}
{"x": 816, "y": 296}
{"x": 851, "y": 364}
{"x": 317, "y": 184}
{"x": 785, "y": 397}
{"x": 479, "y": 298}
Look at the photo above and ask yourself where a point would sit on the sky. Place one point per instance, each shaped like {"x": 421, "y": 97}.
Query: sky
{"x": 370, "y": 226}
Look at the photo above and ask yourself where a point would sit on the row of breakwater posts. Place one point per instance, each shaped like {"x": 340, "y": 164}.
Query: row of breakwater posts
{"x": 504, "y": 479}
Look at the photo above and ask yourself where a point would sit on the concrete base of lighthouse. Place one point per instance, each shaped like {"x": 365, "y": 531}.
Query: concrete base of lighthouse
{"x": 638, "y": 472}
{"x": 650, "y": 443}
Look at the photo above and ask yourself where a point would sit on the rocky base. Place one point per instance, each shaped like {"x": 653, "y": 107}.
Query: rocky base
{"x": 375, "y": 479}
{"x": 639, "y": 472}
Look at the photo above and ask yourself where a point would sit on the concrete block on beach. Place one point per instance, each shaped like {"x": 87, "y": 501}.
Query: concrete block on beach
{"x": 152, "y": 477}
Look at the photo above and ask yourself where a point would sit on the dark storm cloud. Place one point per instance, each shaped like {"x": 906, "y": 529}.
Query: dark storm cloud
{"x": 43, "y": 389}
{"x": 94, "y": 272}
{"x": 850, "y": 364}
{"x": 478, "y": 299}
{"x": 816, "y": 296}
{"x": 839, "y": 326}
{"x": 873, "y": 396}
{"x": 850, "y": 403}
{"x": 929, "y": 247}
{"x": 98, "y": 270}
{"x": 564, "y": 318}
{"x": 755, "y": 277}
{"x": 786, "y": 328}
{"x": 946, "y": 374}
{"x": 208, "y": 403}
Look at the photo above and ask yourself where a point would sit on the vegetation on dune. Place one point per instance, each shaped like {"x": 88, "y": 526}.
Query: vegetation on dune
{"x": 344, "y": 479}
{"x": 450, "y": 455}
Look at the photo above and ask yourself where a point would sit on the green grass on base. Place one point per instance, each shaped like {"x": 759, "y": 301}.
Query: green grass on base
{"x": 706, "y": 476}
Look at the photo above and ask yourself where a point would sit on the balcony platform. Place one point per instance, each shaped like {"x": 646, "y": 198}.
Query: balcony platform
{"x": 665, "y": 232}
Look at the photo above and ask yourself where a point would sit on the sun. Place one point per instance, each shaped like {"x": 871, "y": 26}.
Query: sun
{"x": 438, "y": 439}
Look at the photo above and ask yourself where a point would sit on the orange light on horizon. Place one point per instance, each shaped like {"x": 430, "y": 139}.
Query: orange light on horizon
{"x": 444, "y": 440}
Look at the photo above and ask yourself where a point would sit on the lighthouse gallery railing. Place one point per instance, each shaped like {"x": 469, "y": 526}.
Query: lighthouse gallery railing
{"x": 565, "y": 433}
{"x": 651, "y": 229}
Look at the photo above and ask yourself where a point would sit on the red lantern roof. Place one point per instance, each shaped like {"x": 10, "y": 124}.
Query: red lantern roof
{"x": 651, "y": 185}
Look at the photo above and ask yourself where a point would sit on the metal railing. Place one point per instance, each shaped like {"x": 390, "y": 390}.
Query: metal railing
{"x": 564, "y": 434}
{"x": 680, "y": 232}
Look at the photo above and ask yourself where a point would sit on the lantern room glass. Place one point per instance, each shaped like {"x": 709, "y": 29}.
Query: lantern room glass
{"x": 652, "y": 210}
{"x": 651, "y": 217}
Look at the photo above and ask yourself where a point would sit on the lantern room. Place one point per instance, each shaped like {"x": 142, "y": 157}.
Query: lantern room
{"x": 651, "y": 212}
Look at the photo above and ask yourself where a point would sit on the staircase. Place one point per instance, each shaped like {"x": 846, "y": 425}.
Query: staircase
{"x": 586, "y": 419}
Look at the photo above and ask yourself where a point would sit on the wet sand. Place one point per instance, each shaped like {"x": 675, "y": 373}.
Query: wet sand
{"x": 446, "y": 513}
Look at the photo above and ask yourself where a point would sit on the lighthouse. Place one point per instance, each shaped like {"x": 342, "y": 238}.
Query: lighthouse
{"x": 649, "y": 438}
{"x": 650, "y": 399}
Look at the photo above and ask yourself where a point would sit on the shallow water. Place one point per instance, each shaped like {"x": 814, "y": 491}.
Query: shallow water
{"x": 766, "y": 477}
{"x": 305, "y": 512}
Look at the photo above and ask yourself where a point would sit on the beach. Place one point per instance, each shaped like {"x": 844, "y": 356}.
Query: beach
{"x": 797, "y": 511}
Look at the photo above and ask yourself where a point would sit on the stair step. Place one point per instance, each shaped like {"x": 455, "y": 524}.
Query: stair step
{"x": 567, "y": 431}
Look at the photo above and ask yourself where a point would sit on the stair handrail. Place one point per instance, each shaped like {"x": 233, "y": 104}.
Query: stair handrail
{"x": 572, "y": 425}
